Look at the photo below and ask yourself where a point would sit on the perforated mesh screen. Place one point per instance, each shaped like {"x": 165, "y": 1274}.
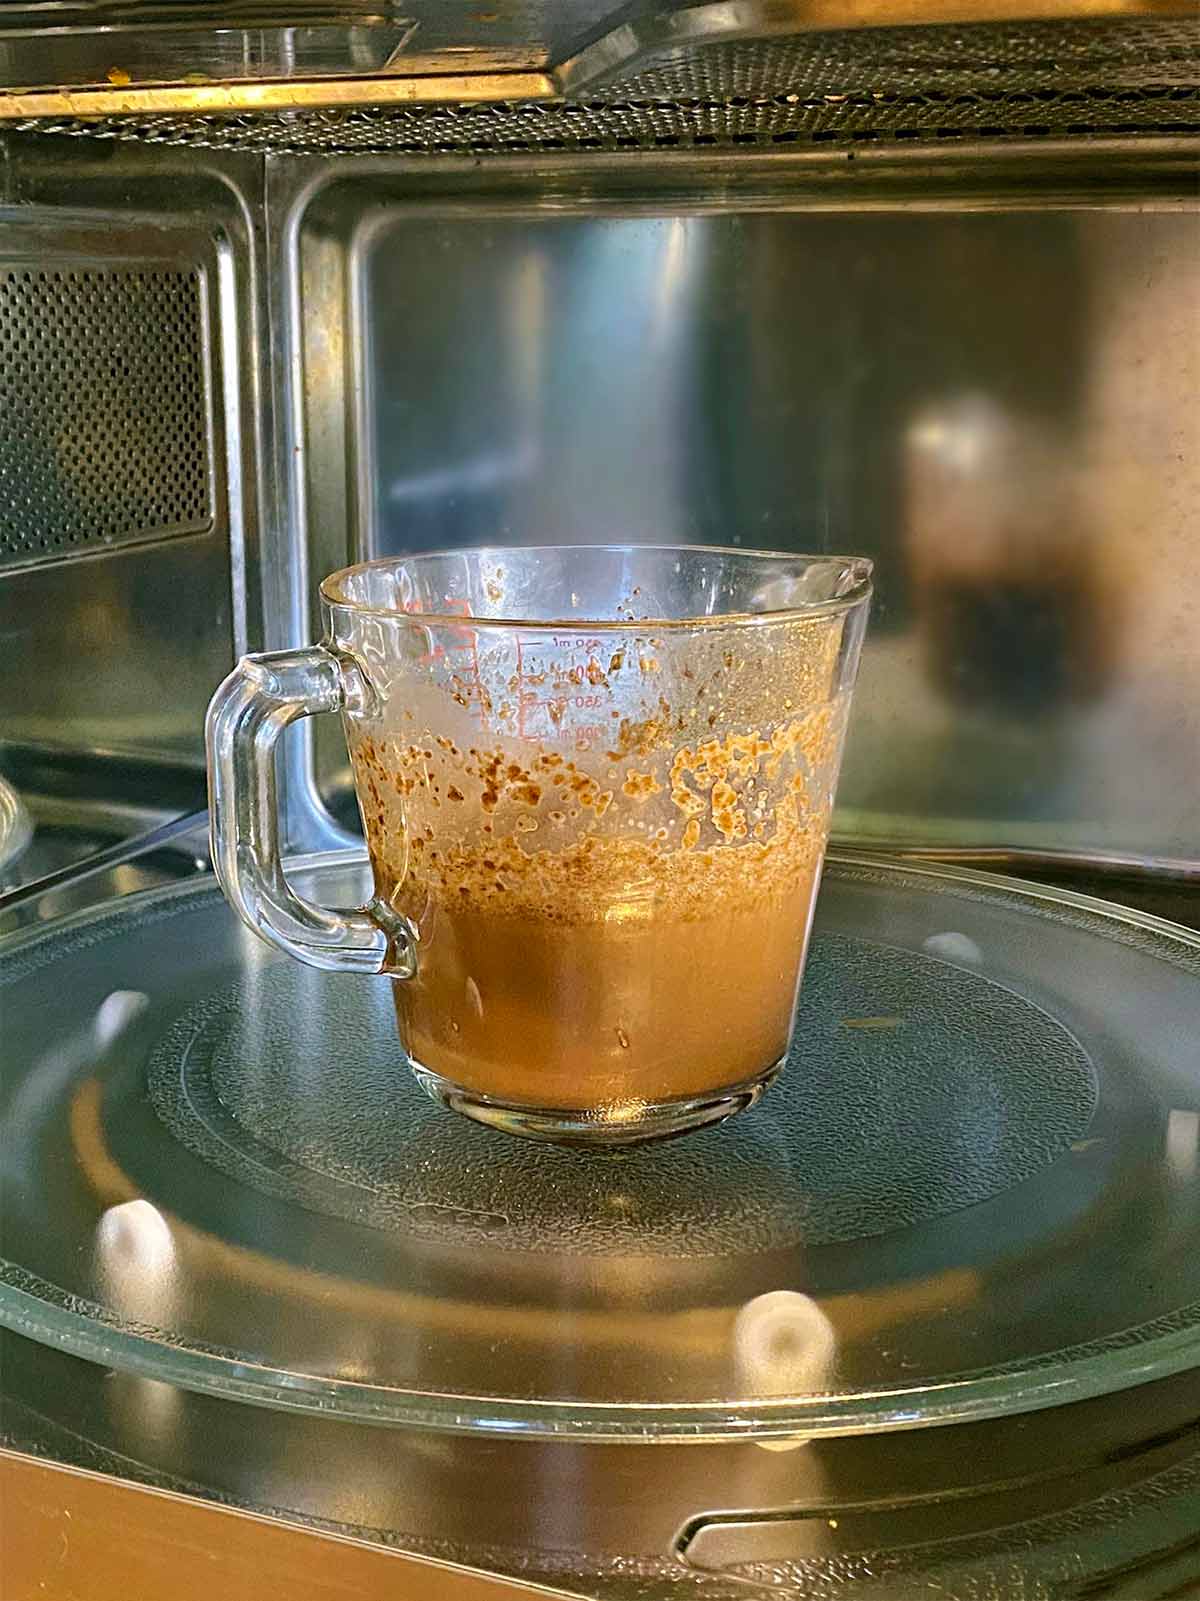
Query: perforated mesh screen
{"x": 495, "y": 129}
{"x": 104, "y": 436}
{"x": 917, "y": 62}
{"x": 1140, "y": 76}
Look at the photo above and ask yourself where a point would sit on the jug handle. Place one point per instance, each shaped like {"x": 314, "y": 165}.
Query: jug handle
{"x": 246, "y": 717}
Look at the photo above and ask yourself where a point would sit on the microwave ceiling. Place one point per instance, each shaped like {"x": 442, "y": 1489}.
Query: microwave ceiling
{"x": 484, "y": 75}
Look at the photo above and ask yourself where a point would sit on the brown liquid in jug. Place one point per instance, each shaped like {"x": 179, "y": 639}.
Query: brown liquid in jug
{"x": 607, "y": 971}
{"x": 609, "y": 997}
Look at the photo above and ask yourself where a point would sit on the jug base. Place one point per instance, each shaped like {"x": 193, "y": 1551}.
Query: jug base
{"x": 630, "y": 1123}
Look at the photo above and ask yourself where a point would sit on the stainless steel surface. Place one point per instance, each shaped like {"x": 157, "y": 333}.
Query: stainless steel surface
{"x": 154, "y": 59}
{"x": 718, "y": 75}
{"x": 100, "y": 42}
{"x": 112, "y": 645}
{"x": 105, "y": 432}
{"x": 45, "y": 889}
{"x": 1099, "y": 1494}
{"x": 134, "y": 866}
{"x": 975, "y": 368}
{"x": 364, "y": 121}
{"x": 98, "y": 829}
{"x": 133, "y": 495}
{"x": 775, "y": 47}
{"x": 130, "y": 429}
{"x": 785, "y": 349}
{"x": 118, "y": 654}
{"x": 160, "y": 42}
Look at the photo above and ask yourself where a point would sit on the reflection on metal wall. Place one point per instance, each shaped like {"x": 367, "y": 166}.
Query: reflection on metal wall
{"x": 1000, "y": 408}
{"x": 128, "y": 495}
{"x": 113, "y": 482}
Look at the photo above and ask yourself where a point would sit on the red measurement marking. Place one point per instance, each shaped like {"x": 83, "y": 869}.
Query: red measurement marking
{"x": 469, "y": 638}
{"x": 453, "y": 645}
{"x": 555, "y": 715}
{"x": 522, "y": 694}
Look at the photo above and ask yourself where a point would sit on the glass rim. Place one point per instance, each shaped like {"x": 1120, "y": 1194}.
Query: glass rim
{"x": 858, "y": 568}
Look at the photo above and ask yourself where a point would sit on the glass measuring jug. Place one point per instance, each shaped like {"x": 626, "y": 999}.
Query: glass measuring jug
{"x": 595, "y": 783}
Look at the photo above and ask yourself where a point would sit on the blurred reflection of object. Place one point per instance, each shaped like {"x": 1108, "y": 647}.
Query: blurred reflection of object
{"x": 136, "y": 1274}
{"x": 56, "y": 1068}
{"x": 565, "y": 411}
{"x": 133, "y": 1241}
{"x": 1009, "y": 590}
{"x": 16, "y": 830}
{"x": 783, "y": 1345}
{"x": 115, "y": 1013}
{"x": 1183, "y": 1145}
{"x": 952, "y": 947}
{"x": 146, "y": 1409}
{"x": 134, "y": 1249}
{"x": 456, "y": 449}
